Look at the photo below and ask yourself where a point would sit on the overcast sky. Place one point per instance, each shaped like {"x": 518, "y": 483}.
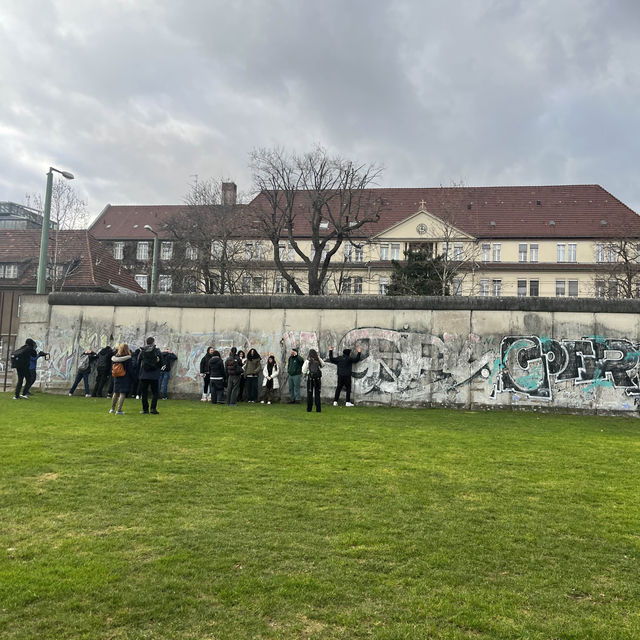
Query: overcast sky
{"x": 136, "y": 97}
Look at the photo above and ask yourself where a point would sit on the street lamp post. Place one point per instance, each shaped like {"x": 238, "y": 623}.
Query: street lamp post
{"x": 44, "y": 238}
{"x": 154, "y": 263}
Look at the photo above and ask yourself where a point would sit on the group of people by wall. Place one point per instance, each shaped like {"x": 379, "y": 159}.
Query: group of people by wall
{"x": 145, "y": 373}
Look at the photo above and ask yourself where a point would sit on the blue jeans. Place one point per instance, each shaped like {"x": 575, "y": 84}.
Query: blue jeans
{"x": 163, "y": 382}
{"x": 85, "y": 378}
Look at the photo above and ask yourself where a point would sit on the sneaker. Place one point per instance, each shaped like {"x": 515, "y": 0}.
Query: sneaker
{"x": 335, "y": 403}
{"x": 111, "y": 411}
{"x": 145, "y": 412}
{"x": 261, "y": 401}
{"x": 154, "y": 412}
{"x": 119, "y": 413}
{"x": 24, "y": 397}
{"x": 70, "y": 394}
{"x": 16, "y": 398}
{"x": 137, "y": 397}
{"x": 269, "y": 402}
{"x": 87, "y": 395}
{"x": 349, "y": 404}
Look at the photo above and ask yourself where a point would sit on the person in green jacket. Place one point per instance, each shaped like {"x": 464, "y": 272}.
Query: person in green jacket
{"x": 294, "y": 370}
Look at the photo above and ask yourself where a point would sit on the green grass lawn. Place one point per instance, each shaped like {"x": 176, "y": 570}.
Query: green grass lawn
{"x": 269, "y": 522}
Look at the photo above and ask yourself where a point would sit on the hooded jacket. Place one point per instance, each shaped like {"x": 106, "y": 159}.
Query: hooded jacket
{"x": 344, "y": 362}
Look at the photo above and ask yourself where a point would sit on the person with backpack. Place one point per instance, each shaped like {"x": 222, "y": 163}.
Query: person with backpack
{"x": 103, "y": 367}
{"x": 150, "y": 363}
{"x": 270, "y": 382}
{"x": 233, "y": 366}
{"x": 21, "y": 362}
{"x": 344, "y": 364}
{"x": 252, "y": 368}
{"x": 294, "y": 370}
{"x": 83, "y": 372}
{"x": 122, "y": 374}
{"x": 167, "y": 358}
{"x": 217, "y": 377}
{"x": 204, "y": 372}
{"x": 312, "y": 367}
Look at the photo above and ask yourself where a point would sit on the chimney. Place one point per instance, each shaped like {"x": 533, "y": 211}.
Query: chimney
{"x": 229, "y": 193}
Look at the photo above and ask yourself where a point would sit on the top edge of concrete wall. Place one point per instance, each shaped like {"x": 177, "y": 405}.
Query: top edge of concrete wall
{"x": 453, "y": 303}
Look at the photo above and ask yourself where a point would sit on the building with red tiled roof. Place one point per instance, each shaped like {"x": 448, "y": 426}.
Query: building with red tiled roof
{"x": 523, "y": 240}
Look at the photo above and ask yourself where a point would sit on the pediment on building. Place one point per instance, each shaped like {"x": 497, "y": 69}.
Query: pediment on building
{"x": 422, "y": 225}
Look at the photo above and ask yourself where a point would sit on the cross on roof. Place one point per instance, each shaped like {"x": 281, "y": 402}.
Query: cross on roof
{"x": 422, "y": 204}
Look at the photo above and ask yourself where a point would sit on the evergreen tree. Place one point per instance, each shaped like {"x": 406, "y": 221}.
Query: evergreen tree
{"x": 420, "y": 275}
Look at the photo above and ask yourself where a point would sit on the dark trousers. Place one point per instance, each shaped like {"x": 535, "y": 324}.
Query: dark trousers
{"x": 241, "y": 388}
{"x": 216, "y": 388}
{"x": 252, "y": 388}
{"x": 31, "y": 378}
{"x": 145, "y": 385}
{"x": 313, "y": 390}
{"x": 101, "y": 379}
{"x": 233, "y": 386}
{"x": 23, "y": 377}
{"x": 343, "y": 381}
{"x": 85, "y": 378}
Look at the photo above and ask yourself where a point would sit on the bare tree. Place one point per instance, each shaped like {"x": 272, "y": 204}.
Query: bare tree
{"x": 617, "y": 268}
{"x": 210, "y": 241}
{"x": 325, "y": 200}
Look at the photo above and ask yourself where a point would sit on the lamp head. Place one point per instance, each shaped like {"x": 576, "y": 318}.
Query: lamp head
{"x": 68, "y": 175}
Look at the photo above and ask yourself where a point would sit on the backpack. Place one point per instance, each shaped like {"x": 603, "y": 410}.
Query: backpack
{"x": 150, "y": 358}
{"x": 315, "y": 372}
{"x": 20, "y": 358}
{"x": 85, "y": 363}
{"x": 118, "y": 370}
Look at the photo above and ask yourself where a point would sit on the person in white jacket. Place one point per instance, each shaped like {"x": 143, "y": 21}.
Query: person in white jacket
{"x": 312, "y": 368}
{"x": 270, "y": 384}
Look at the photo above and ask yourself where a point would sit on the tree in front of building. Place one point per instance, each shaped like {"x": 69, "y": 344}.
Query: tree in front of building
{"x": 314, "y": 202}
{"x": 420, "y": 275}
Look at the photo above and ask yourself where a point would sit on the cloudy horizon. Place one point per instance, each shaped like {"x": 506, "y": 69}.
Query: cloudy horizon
{"x": 138, "y": 97}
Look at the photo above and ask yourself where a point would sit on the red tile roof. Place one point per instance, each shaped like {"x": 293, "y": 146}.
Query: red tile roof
{"x": 565, "y": 211}
{"x": 96, "y": 269}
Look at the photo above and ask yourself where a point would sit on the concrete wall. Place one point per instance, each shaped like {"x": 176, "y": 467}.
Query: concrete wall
{"x": 558, "y": 354}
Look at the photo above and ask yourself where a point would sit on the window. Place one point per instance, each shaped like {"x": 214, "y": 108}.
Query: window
{"x": 324, "y": 224}
{"x": 358, "y": 254}
{"x": 383, "y": 284}
{"x": 216, "y": 249}
{"x": 56, "y": 272}
{"x": 246, "y": 284}
{"x": 572, "y": 252}
{"x": 189, "y": 284}
{"x": 522, "y": 288}
{"x": 395, "y": 251}
{"x": 279, "y": 285}
{"x": 456, "y": 287}
{"x": 496, "y": 287}
{"x": 533, "y": 253}
{"x": 164, "y": 284}
{"x": 348, "y": 252}
{"x": 573, "y": 288}
{"x": 605, "y": 253}
{"x": 560, "y": 288}
{"x": 291, "y": 254}
{"x": 562, "y": 255}
{"x": 248, "y": 250}
{"x": 166, "y": 251}
{"x": 599, "y": 289}
{"x": 384, "y": 251}
{"x": 600, "y": 253}
{"x": 259, "y": 251}
{"x": 214, "y": 283}
{"x": 486, "y": 252}
{"x": 534, "y": 288}
{"x": 612, "y": 287}
{"x": 290, "y": 288}
{"x": 118, "y": 250}
{"x": 457, "y": 251}
{"x": 8, "y": 270}
{"x": 484, "y": 287}
{"x": 496, "y": 252}
{"x": 143, "y": 280}
{"x": 357, "y": 285}
{"x": 346, "y": 286}
{"x": 522, "y": 253}
{"x": 142, "y": 251}
{"x": 257, "y": 284}
{"x": 191, "y": 253}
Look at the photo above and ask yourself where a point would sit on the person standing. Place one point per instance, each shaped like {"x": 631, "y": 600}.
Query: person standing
{"x": 270, "y": 382}
{"x": 204, "y": 372}
{"x": 103, "y": 367}
{"x": 243, "y": 361}
{"x": 233, "y": 366}
{"x": 312, "y": 367}
{"x": 84, "y": 370}
{"x": 252, "y": 369}
{"x": 33, "y": 366}
{"x": 294, "y": 371}
{"x": 122, "y": 374}
{"x": 149, "y": 375}
{"x": 344, "y": 364}
{"x": 217, "y": 376}
{"x": 21, "y": 361}
{"x": 167, "y": 359}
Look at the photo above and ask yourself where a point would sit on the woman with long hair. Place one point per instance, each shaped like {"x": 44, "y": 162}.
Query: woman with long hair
{"x": 252, "y": 370}
{"x": 312, "y": 367}
{"x": 122, "y": 374}
{"x": 204, "y": 373}
{"x": 270, "y": 382}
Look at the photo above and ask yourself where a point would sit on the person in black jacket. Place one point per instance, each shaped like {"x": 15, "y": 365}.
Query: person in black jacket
{"x": 103, "y": 367}
{"x": 22, "y": 358}
{"x": 204, "y": 372}
{"x": 150, "y": 364}
{"x": 345, "y": 364}
{"x": 217, "y": 378}
{"x": 168, "y": 358}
